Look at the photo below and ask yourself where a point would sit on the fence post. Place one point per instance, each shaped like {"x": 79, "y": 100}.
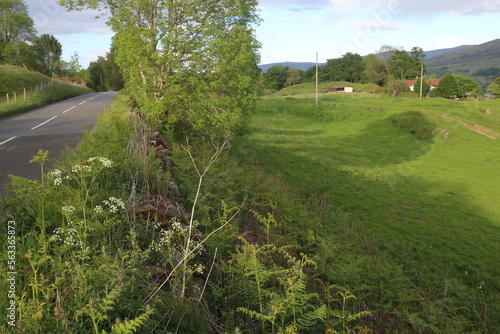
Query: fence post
{"x": 15, "y": 97}
{"x": 7, "y": 97}
{"x": 24, "y": 93}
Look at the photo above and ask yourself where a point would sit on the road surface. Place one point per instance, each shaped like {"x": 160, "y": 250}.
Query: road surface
{"x": 53, "y": 127}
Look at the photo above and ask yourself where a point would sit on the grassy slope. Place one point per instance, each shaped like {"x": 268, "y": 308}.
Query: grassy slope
{"x": 15, "y": 79}
{"x": 433, "y": 202}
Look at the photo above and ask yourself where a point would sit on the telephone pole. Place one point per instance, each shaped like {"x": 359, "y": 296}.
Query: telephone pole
{"x": 316, "y": 80}
{"x": 421, "y": 79}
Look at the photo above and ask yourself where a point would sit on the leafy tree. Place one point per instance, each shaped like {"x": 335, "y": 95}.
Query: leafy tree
{"x": 494, "y": 88}
{"x": 294, "y": 76}
{"x": 455, "y": 85}
{"x": 417, "y": 53}
{"x": 448, "y": 86}
{"x": 191, "y": 63}
{"x": 396, "y": 87}
{"x": 73, "y": 68}
{"x": 105, "y": 74}
{"x": 425, "y": 87}
{"x": 347, "y": 68}
{"x": 467, "y": 85}
{"x": 309, "y": 75}
{"x": 374, "y": 69}
{"x": 406, "y": 66}
{"x": 276, "y": 77}
{"x": 19, "y": 53}
{"x": 15, "y": 24}
{"x": 48, "y": 53}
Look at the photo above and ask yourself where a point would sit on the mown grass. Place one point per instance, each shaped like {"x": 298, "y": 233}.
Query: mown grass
{"x": 430, "y": 199}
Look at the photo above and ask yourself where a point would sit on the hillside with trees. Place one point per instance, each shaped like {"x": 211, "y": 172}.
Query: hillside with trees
{"x": 478, "y": 62}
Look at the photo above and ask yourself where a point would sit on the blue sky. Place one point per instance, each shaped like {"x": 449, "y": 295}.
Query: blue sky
{"x": 294, "y": 30}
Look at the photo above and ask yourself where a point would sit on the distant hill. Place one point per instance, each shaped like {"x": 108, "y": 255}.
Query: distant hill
{"x": 479, "y": 62}
{"x": 434, "y": 53}
{"x": 298, "y": 65}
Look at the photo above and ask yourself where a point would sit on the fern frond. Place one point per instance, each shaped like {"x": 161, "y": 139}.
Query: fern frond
{"x": 312, "y": 317}
{"x": 132, "y": 325}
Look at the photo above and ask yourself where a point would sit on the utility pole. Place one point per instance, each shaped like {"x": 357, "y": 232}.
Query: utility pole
{"x": 421, "y": 79}
{"x": 316, "y": 80}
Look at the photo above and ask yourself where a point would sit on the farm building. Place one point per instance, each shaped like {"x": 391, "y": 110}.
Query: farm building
{"x": 340, "y": 90}
{"x": 433, "y": 83}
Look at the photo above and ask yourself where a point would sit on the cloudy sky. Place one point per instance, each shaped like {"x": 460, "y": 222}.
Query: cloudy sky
{"x": 294, "y": 30}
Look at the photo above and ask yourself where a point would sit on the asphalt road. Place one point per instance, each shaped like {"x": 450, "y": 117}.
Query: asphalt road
{"x": 55, "y": 127}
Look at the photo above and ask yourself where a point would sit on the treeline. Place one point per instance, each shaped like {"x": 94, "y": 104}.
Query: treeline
{"x": 389, "y": 63}
{"x": 21, "y": 46}
{"x": 389, "y": 67}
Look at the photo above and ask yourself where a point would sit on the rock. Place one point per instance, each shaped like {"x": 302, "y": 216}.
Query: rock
{"x": 173, "y": 189}
{"x": 488, "y": 112}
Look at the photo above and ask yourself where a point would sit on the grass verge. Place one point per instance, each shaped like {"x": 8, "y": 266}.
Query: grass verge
{"x": 51, "y": 94}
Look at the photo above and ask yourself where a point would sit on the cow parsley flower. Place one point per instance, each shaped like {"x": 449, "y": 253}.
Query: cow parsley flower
{"x": 68, "y": 208}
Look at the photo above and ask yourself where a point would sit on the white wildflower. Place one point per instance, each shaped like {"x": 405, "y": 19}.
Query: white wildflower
{"x": 104, "y": 161}
{"x": 81, "y": 168}
{"x": 98, "y": 209}
{"x": 55, "y": 173}
{"x": 58, "y": 181}
{"x": 68, "y": 208}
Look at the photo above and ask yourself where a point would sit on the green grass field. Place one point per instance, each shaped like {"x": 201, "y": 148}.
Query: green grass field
{"x": 423, "y": 175}
{"x": 15, "y": 79}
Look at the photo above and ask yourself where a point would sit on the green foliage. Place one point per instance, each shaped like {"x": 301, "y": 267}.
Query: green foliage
{"x": 374, "y": 69}
{"x": 454, "y": 85}
{"x": 349, "y": 68}
{"x": 448, "y": 86}
{"x": 396, "y": 87}
{"x": 195, "y": 69}
{"x": 426, "y": 88}
{"x": 494, "y": 87}
{"x": 47, "y": 52}
{"x": 16, "y": 24}
{"x": 489, "y": 72}
{"x": 287, "y": 307}
{"x": 275, "y": 77}
{"x": 405, "y": 66}
{"x": 105, "y": 74}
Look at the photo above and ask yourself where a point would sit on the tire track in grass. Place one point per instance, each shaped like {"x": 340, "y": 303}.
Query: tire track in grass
{"x": 476, "y": 128}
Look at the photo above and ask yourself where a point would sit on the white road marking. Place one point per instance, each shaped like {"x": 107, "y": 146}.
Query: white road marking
{"x": 82, "y": 102}
{"x": 65, "y": 111}
{"x": 33, "y": 128}
{"x": 7, "y": 140}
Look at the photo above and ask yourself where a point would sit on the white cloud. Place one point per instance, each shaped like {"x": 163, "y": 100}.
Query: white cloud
{"x": 288, "y": 18}
{"x": 374, "y": 24}
{"x": 267, "y": 58}
{"x": 50, "y": 18}
{"x": 450, "y": 42}
{"x": 406, "y": 8}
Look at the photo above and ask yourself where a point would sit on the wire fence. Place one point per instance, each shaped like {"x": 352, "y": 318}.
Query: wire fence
{"x": 28, "y": 92}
